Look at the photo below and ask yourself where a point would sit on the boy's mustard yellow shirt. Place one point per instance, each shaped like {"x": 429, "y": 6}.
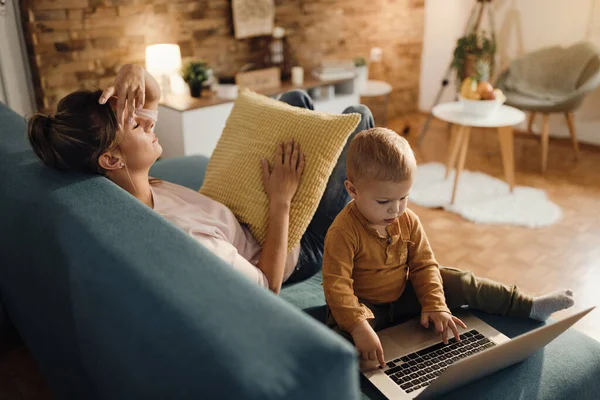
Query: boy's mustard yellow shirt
{"x": 359, "y": 263}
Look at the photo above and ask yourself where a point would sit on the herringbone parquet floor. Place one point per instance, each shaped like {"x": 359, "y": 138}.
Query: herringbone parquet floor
{"x": 565, "y": 255}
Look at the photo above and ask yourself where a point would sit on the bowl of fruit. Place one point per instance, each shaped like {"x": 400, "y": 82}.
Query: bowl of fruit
{"x": 479, "y": 97}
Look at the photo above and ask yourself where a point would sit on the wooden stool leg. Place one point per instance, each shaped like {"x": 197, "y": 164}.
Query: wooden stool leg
{"x": 465, "y": 134}
{"x": 545, "y": 139}
{"x": 505, "y": 136}
{"x": 455, "y": 135}
{"x": 571, "y": 122}
{"x": 530, "y": 124}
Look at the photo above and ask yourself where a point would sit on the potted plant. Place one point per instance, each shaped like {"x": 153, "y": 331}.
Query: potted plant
{"x": 472, "y": 51}
{"x": 362, "y": 71}
{"x": 195, "y": 74}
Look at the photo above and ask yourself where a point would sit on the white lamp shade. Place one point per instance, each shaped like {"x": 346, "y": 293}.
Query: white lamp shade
{"x": 163, "y": 59}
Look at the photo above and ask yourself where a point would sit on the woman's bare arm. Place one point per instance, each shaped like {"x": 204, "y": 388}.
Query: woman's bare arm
{"x": 134, "y": 87}
{"x": 281, "y": 182}
{"x": 152, "y": 92}
{"x": 274, "y": 251}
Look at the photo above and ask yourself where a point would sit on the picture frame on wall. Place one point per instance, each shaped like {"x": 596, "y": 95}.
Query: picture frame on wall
{"x": 253, "y": 17}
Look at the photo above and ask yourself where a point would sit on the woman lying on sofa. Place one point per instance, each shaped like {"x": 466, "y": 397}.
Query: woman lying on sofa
{"x": 111, "y": 133}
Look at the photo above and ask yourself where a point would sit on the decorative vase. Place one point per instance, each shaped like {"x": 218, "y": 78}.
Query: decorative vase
{"x": 470, "y": 65}
{"x": 362, "y": 77}
{"x": 195, "y": 89}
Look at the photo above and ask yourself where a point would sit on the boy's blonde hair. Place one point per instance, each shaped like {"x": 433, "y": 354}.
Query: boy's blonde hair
{"x": 380, "y": 154}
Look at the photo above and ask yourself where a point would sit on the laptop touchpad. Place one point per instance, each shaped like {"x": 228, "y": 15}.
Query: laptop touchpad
{"x": 406, "y": 336}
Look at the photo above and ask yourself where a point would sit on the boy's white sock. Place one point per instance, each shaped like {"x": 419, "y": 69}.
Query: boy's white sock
{"x": 546, "y": 305}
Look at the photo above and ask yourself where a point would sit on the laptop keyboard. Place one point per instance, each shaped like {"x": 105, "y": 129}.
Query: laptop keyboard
{"x": 418, "y": 369}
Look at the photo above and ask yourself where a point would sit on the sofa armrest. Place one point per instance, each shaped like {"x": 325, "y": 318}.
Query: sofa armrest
{"x": 186, "y": 171}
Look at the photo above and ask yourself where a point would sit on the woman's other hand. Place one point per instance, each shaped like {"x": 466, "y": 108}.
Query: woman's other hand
{"x": 130, "y": 88}
{"x": 281, "y": 180}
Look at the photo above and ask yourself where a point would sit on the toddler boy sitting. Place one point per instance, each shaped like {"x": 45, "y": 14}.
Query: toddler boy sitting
{"x": 378, "y": 266}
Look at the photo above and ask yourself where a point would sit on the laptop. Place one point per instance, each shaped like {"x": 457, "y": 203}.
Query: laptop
{"x": 420, "y": 365}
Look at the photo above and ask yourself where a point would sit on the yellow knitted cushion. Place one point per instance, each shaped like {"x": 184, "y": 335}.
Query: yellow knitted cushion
{"x": 254, "y": 128}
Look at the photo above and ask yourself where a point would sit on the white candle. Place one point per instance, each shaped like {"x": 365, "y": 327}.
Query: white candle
{"x": 297, "y": 76}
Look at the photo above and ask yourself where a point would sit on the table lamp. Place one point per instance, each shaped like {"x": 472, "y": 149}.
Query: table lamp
{"x": 163, "y": 61}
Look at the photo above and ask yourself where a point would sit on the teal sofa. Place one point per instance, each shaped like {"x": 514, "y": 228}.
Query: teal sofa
{"x": 115, "y": 302}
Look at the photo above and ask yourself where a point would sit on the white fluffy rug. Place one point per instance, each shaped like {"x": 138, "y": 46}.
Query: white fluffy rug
{"x": 483, "y": 199}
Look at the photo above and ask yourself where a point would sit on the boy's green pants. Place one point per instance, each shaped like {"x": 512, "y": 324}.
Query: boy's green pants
{"x": 461, "y": 288}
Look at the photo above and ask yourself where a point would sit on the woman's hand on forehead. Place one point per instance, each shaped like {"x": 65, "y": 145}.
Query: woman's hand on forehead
{"x": 129, "y": 90}
{"x": 113, "y": 101}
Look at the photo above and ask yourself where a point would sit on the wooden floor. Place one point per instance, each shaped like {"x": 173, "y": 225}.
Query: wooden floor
{"x": 565, "y": 255}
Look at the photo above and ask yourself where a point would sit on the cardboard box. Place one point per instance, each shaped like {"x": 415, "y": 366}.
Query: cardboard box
{"x": 260, "y": 79}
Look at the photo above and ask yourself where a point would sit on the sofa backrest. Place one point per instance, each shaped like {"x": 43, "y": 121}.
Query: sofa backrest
{"x": 115, "y": 302}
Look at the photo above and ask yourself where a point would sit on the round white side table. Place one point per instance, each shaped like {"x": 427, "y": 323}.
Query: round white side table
{"x": 503, "y": 119}
{"x": 376, "y": 89}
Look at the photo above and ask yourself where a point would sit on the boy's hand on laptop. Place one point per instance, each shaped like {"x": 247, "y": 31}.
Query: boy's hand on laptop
{"x": 367, "y": 343}
{"x": 443, "y": 322}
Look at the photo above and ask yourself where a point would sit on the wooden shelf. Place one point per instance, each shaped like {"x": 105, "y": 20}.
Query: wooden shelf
{"x": 209, "y": 98}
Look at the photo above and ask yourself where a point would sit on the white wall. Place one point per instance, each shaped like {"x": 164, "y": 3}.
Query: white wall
{"x": 14, "y": 69}
{"x": 445, "y": 21}
{"x": 521, "y": 26}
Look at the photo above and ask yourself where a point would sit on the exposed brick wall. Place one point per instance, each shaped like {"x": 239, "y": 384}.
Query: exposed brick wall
{"x": 82, "y": 43}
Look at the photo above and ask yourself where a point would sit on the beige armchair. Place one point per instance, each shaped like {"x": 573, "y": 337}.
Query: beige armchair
{"x": 552, "y": 80}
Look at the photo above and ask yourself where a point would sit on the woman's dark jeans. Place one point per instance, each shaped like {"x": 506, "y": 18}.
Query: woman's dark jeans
{"x": 334, "y": 199}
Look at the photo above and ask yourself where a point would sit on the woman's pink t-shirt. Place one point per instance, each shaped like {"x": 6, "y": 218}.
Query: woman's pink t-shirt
{"x": 214, "y": 226}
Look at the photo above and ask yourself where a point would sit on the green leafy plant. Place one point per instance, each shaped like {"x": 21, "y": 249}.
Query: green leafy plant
{"x": 360, "y": 62}
{"x": 479, "y": 46}
{"x": 195, "y": 72}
